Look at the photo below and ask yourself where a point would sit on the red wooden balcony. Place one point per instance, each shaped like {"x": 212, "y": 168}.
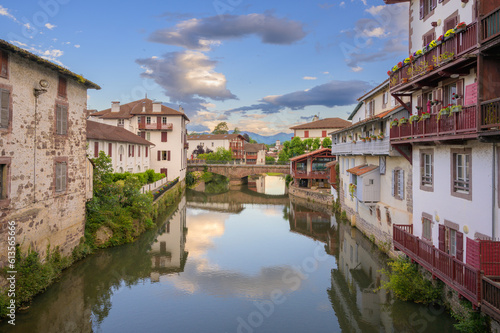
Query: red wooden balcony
{"x": 442, "y": 54}
{"x": 310, "y": 175}
{"x": 462, "y": 277}
{"x": 490, "y": 25}
{"x": 156, "y": 126}
{"x": 448, "y": 127}
{"x": 490, "y": 114}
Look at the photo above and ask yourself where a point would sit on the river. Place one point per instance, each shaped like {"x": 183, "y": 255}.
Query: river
{"x": 240, "y": 261}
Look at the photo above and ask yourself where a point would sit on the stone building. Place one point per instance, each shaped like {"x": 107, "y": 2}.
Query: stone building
{"x": 233, "y": 142}
{"x": 43, "y": 163}
{"x": 255, "y": 153}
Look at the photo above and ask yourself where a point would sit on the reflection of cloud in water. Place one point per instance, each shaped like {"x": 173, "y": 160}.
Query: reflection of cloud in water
{"x": 272, "y": 211}
{"x": 229, "y": 283}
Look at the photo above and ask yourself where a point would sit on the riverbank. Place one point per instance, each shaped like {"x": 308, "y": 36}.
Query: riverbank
{"x": 312, "y": 195}
{"x": 35, "y": 274}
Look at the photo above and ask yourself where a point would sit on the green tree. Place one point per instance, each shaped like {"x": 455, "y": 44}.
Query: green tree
{"x": 103, "y": 171}
{"x": 236, "y": 131}
{"x": 221, "y": 128}
{"x": 297, "y": 147}
{"x": 316, "y": 144}
{"x": 220, "y": 155}
{"x": 327, "y": 143}
{"x": 270, "y": 160}
{"x": 308, "y": 143}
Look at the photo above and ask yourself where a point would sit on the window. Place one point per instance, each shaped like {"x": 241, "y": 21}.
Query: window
{"x": 147, "y": 151}
{"x": 96, "y": 149}
{"x": 163, "y": 155}
{"x": 397, "y": 187}
{"x": 461, "y": 182}
{"x": 451, "y": 240}
{"x": 148, "y": 120}
{"x": 164, "y": 120}
{"x": 426, "y": 8}
{"x": 139, "y": 151}
{"x": 385, "y": 99}
{"x": 427, "y": 226}
{"x": 382, "y": 164}
{"x": 148, "y": 136}
{"x": 428, "y": 37}
{"x": 450, "y": 22}
{"x": 163, "y": 136}
{"x": 212, "y": 144}
{"x": 110, "y": 149}
{"x": 120, "y": 152}
{"x": 4, "y": 108}
{"x": 306, "y": 134}
{"x": 138, "y": 119}
{"x": 121, "y": 122}
{"x": 4, "y": 179}
{"x": 61, "y": 119}
{"x": 427, "y": 170}
{"x": 62, "y": 87}
{"x": 4, "y": 64}
{"x": 131, "y": 149}
{"x": 61, "y": 173}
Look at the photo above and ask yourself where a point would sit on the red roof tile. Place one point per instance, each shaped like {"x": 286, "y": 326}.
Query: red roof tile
{"x": 98, "y": 131}
{"x": 362, "y": 169}
{"x": 324, "y": 123}
{"x": 214, "y": 137}
{"x": 136, "y": 109}
{"x": 316, "y": 152}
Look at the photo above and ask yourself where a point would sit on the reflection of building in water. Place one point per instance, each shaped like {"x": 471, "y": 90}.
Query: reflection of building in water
{"x": 168, "y": 255}
{"x": 270, "y": 185}
{"x": 307, "y": 222}
{"x": 353, "y": 294}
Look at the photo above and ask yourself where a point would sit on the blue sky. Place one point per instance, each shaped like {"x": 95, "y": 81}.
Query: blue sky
{"x": 261, "y": 66}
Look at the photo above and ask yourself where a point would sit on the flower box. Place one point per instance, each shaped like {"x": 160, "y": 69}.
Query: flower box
{"x": 425, "y": 115}
{"x": 395, "y": 122}
{"x": 402, "y": 121}
{"x": 456, "y": 108}
{"x": 414, "y": 118}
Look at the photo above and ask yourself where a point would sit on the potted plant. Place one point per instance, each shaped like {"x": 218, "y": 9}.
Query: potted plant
{"x": 425, "y": 49}
{"x": 389, "y": 73}
{"x": 418, "y": 108}
{"x": 407, "y": 61}
{"x": 430, "y": 68}
{"x": 402, "y": 121}
{"x": 363, "y": 139}
{"x": 381, "y": 136}
{"x": 395, "y": 122}
{"x": 456, "y": 108}
{"x": 415, "y": 118}
{"x": 404, "y": 80}
{"x": 455, "y": 96}
{"x": 435, "y": 102}
{"x": 449, "y": 34}
{"x": 352, "y": 189}
{"x": 373, "y": 137}
{"x": 439, "y": 40}
{"x": 400, "y": 64}
{"x": 395, "y": 68}
{"x": 443, "y": 112}
{"x": 432, "y": 44}
{"x": 417, "y": 54}
{"x": 425, "y": 115}
{"x": 368, "y": 138}
{"x": 460, "y": 27}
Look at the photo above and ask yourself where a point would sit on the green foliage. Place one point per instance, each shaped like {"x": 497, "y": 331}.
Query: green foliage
{"x": 288, "y": 180}
{"x": 190, "y": 179}
{"x": 270, "y": 160}
{"x": 471, "y": 321}
{"x": 408, "y": 284}
{"x": 327, "y": 143}
{"x": 316, "y": 144}
{"x": 4, "y": 302}
{"x": 220, "y": 155}
{"x": 221, "y": 128}
{"x": 297, "y": 147}
{"x": 308, "y": 143}
{"x": 146, "y": 177}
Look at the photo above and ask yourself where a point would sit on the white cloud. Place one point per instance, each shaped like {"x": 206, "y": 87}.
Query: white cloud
{"x": 377, "y": 32}
{"x": 326, "y": 73}
{"x": 77, "y": 46}
{"x": 49, "y": 26}
{"x": 5, "y": 12}
{"x": 28, "y": 26}
{"x": 342, "y": 4}
{"x": 357, "y": 69}
{"x": 309, "y": 78}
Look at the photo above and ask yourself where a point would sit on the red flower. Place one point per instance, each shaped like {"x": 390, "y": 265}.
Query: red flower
{"x": 389, "y": 73}
{"x": 400, "y": 64}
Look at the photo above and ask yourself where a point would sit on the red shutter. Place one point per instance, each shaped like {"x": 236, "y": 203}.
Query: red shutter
{"x": 460, "y": 92}
{"x": 133, "y": 150}
{"x": 434, "y": 97}
{"x": 158, "y": 122}
{"x": 164, "y": 171}
{"x": 147, "y": 151}
{"x": 168, "y": 155}
{"x": 306, "y": 134}
{"x": 4, "y": 64}
{"x": 440, "y": 98}
{"x": 163, "y": 136}
{"x": 159, "y": 155}
{"x": 422, "y": 9}
{"x": 138, "y": 151}
{"x": 143, "y": 135}
{"x": 61, "y": 90}
{"x": 110, "y": 149}
{"x": 96, "y": 149}
{"x": 442, "y": 231}
{"x": 323, "y": 134}
{"x": 460, "y": 246}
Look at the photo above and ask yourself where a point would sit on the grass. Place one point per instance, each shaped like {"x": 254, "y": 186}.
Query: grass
{"x": 274, "y": 173}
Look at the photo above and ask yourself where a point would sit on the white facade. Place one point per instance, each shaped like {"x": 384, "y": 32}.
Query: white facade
{"x": 320, "y": 133}
{"x": 122, "y": 158}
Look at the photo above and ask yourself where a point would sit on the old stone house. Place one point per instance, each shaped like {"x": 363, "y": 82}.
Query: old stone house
{"x": 43, "y": 164}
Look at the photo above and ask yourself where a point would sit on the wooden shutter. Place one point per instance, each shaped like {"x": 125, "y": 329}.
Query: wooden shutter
{"x": 63, "y": 176}
{"x": 159, "y": 155}
{"x": 401, "y": 184}
{"x": 138, "y": 151}
{"x": 434, "y": 4}
{"x": 4, "y": 108}
{"x": 323, "y": 134}
{"x": 393, "y": 185}
{"x": 434, "y": 97}
{"x": 110, "y": 149}
{"x": 64, "y": 121}
{"x": 61, "y": 91}
{"x": 442, "y": 232}
{"x": 163, "y": 136}
{"x": 143, "y": 135}
{"x": 58, "y": 177}
{"x": 4, "y": 64}
{"x": 460, "y": 245}
{"x": 422, "y": 9}
{"x": 147, "y": 150}
{"x": 133, "y": 150}
{"x": 96, "y": 149}
{"x": 164, "y": 171}
{"x": 168, "y": 155}
{"x": 306, "y": 134}
{"x": 460, "y": 92}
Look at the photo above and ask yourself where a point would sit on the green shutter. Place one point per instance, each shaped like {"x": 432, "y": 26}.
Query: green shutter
{"x": 4, "y": 108}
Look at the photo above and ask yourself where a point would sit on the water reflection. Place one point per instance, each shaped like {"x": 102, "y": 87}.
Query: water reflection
{"x": 266, "y": 184}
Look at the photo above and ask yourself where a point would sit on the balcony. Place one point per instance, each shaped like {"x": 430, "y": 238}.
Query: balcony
{"x": 490, "y": 114}
{"x": 374, "y": 147}
{"x": 490, "y": 25}
{"x": 310, "y": 175}
{"x": 459, "y": 125}
{"x": 156, "y": 126}
{"x": 460, "y": 276}
{"x": 430, "y": 62}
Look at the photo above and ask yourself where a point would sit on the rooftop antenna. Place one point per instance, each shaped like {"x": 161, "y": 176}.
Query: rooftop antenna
{"x": 146, "y": 95}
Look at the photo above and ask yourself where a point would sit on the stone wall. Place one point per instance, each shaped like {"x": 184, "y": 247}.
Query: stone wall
{"x": 322, "y": 198}
{"x": 31, "y": 148}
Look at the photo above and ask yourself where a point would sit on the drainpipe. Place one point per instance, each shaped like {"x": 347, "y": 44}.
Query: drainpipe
{"x": 34, "y": 151}
{"x": 493, "y": 192}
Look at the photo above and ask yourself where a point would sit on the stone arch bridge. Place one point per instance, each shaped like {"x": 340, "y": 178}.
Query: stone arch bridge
{"x": 238, "y": 173}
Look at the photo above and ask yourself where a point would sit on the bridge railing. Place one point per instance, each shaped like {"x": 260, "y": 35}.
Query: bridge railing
{"x": 233, "y": 162}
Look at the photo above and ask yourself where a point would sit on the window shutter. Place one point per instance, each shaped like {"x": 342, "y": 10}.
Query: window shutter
{"x": 96, "y": 149}
{"x": 64, "y": 120}
{"x": 393, "y": 182}
{"x": 58, "y": 176}
{"x": 163, "y": 136}
{"x": 422, "y": 9}
{"x": 434, "y": 97}
{"x": 143, "y": 135}
{"x": 460, "y": 92}
{"x": 62, "y": 87}
{"x": 138, "y": 151}
{"x": 110, "y": 149}
{"x": 168, "y": 155}
{"x": 442, "y": 231}
{"x": 133, "y": 150}
{"x": 4, "y": 63}
{"x": 159, "y": 155}
{"x": 4, "y": 108}
{"x": 63, "y": 176}
{"x": 440, "y": 99}
{"x": 401, "y": 184}
{"x": 147, "y": 151}
{"x": 434, "y": 4}
{"x": 460, "y": 246}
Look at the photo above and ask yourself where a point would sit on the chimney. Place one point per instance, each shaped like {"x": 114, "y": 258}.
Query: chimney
{"x": 315, "y": 118}
{"x": 181, "y": 109}
{"x": 115, "y": 106}
{"x": 156, "y": 106}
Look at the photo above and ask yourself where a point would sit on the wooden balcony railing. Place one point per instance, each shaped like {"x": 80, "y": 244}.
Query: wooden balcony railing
{"x": 463, "y": 122}
{"x": 460, "y": 276}
{"x": 447, "y": 51}
{"x": 490, "y": 114}
{"x": 156, "y": 126}
{"x": 310, "y": 175}
{"x": 375, "y": 147}
{"x": 490, "y": 25}
{"x": 490, "y": 297}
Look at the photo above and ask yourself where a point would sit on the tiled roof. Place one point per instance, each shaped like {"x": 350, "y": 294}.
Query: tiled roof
{"x": 331, "y": 164}
{"x": 136, "y": 109}
{"x": 254, "y": 147}
{"x": 98, "y": 131}
{"x": 362, "y": 169}
{"x": 316, "y": 152}
{"x": 324, "y": 123}
{"x": 4, "y": 45}
{"x": 215, "y": 137}
{"x": 367, "y": 120}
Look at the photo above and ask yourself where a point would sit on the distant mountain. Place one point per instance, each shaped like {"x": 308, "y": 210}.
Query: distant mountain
{"x": 270, "y": 139}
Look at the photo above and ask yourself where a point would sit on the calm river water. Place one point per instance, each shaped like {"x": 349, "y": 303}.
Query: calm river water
{"x": 241, "y": 261}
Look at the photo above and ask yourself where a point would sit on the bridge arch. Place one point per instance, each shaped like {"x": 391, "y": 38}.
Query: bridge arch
{"x": 237, "y": 172}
